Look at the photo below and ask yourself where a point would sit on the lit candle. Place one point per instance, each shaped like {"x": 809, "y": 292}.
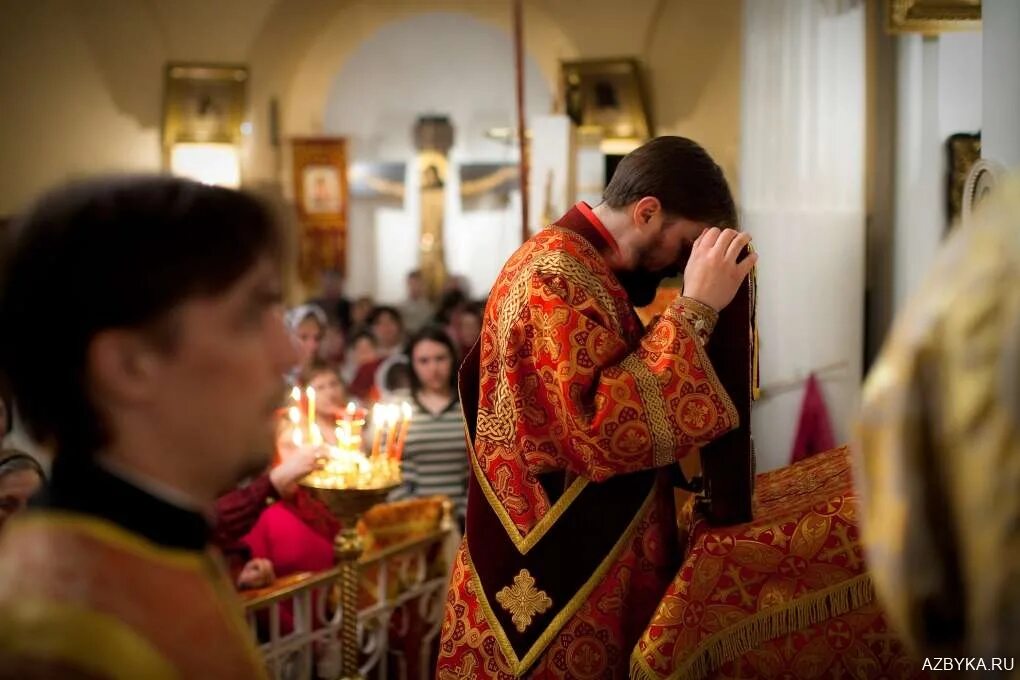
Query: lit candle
{"x": 392, "y": 418}
{"x": 310, "y": 393}
{"x": 402, "y": 439}
{"x": 295, "y": 394}
{"x": 356, "y": 425}
{"x": 348, "y": 423}
{"x": 294, "y": 415}
{"x": 377, "y": 427}
{"x": 384, "y": 426}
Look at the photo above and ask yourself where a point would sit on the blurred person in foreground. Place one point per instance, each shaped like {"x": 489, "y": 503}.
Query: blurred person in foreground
{"x": 157, "y": 390}
{"x": 938, "y": 455}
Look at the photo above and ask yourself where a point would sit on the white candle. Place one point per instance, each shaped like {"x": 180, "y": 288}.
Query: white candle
{"x": 377, "y": 427}
{"x": 392, "y": 418}
{"x": 310, "y": 393}
{"x": 402, "y": 439}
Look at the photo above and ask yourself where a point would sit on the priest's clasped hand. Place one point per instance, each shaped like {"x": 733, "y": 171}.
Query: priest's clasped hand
{"x": 713, "y": 274}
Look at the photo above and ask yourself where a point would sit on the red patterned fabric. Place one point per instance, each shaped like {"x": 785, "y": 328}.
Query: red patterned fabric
{"x": 570, "y": 381}
{"x": 784, "y": 596}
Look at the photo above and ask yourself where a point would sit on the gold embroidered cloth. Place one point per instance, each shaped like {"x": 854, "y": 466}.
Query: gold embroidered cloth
{"x": 784, "y": 596}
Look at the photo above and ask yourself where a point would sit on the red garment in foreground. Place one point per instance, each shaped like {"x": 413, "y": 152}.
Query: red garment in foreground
{"x": 814, "y": 429}
{"x": 80, "y": 597}
{"x": 571, "y": 383}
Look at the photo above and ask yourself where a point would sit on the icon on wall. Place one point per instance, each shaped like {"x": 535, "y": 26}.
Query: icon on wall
{"x": 320, "y": 199}
{"x": 607, "y": 96}
{"x": 204, "y": 110}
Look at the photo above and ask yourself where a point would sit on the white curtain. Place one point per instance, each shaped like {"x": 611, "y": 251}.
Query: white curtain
{"x": 802, "y": 199}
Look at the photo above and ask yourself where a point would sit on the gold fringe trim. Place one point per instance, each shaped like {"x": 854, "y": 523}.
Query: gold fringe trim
{"x": 761, "y": 627}
{"x": 755, "y": 340}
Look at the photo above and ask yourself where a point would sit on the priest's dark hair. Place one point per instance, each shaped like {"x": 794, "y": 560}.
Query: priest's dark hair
{"x": 681, "y": 174}
{"x": 115, "y": 252}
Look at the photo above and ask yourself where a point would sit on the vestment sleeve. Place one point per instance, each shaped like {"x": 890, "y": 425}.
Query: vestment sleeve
{"x": 609, "y": 410}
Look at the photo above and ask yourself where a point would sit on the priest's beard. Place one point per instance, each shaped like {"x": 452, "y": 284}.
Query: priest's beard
{"x": 642, "y": 284}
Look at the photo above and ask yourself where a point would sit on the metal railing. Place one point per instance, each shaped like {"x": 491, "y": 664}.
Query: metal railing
{"x": 297, "y": 622}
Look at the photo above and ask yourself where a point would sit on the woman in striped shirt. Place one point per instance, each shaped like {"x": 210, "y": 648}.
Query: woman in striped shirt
{"x": 435, "y": 454}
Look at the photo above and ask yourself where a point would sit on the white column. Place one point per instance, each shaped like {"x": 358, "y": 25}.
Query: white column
{"x": 802, "y": 199}
{"x": 1000, "y": 136}
{"x": 939, "y": 93}
{"x": 920, "y": 217}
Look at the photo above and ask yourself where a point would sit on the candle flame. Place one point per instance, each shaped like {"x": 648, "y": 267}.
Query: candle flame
{"x": 346, "y": 466}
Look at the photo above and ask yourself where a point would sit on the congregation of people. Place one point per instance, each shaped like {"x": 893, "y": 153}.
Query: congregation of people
{"x": 356, "y": 353}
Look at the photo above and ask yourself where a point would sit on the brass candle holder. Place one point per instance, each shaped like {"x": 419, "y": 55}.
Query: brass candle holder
{"x": 349, "y": 483}
{"x": 348, "y": 505}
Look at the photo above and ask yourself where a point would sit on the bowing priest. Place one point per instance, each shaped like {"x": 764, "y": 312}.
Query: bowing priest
{"x": 156, "y": 387}
{"x": 575, "y": 411}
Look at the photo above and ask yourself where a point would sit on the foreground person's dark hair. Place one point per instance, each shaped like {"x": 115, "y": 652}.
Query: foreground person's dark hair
{"x": 112, "y": 253}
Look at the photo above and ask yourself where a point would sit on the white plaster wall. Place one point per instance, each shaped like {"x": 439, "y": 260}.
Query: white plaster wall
{"x": 59, "y": 118}
{"x": 1000, "y": 139}
{"x": 417, "y": 66}
{"x": 802, "y": 195}
{"x": 939, "y": 93}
